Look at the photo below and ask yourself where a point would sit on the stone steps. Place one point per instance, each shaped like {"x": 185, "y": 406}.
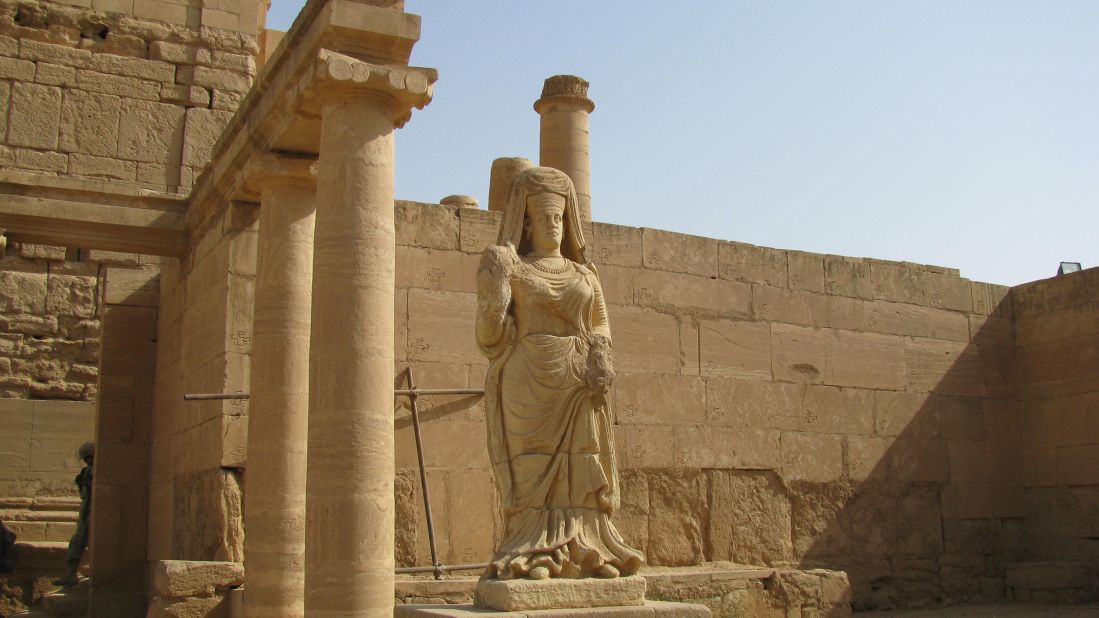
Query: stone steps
{"x": 67, "y": 602}
{"x": 42, "y": 518}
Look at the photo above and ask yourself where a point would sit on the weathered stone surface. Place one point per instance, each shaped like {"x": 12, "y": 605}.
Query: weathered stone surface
{"x": 616, "y": 244}
{"x": 680, "y": 253}
{"x": 677, "y": 509}
{"x": 645, "y": 399}
{"x": 657, "y": 609}
{"x": 525, "y": 594}
{"x": 752, "y": 264}
{"x": 750, "y": 517}
{"x": 703, "y": 295}
{"x": 22, "y": 292}
{"x": 836, "y": 357}
{"x": 899, "y": 283}
{"x": 429, "y": 226}
{"x": 202, "y": 129}
{"x": 806, "y": 271}
{"x": 735, "y": 349}
{"x": 200, "y": 607}
{"x": 151, "y": 132}
{"x": 35, "y": 115}
{"x": 753, "y": 403}
{"x": 89, "y": 123}
{"x": 811, "y": 457}
{"x": 844, "y": 276}
{"x": 644, "y": 340}
{"x": 102, "y": 167}
{"x": 185, "y": 578}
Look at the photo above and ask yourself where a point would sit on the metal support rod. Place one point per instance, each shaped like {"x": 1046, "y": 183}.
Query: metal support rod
{"x": 408, "y": 392}
{"x": 213, "y": 396}
{"x": 413, "y": 396}
{"x": 443, "y": 567}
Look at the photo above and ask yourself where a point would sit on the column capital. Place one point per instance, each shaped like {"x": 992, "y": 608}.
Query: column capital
{"x": 268, "y": 168}
{"x": 564, "y": 92}
{"x": 337, "y": 76}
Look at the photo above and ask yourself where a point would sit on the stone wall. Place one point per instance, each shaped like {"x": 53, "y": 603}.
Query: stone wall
{"x": 122, "y": 90}
{"x": 1057, "y": 330}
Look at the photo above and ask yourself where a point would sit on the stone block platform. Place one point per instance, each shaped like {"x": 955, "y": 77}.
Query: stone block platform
{"x": 524, "y": 594}
{"x": 650, "y": 609}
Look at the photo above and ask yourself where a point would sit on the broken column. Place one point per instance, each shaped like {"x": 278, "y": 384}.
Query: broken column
{"x": 349, "y": 562}
{"x": 279, "y": 402}
{"x": 563, "y": 136}
{"x": 504, "y": 171}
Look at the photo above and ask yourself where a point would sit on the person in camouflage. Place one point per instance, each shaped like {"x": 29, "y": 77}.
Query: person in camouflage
{"x": 79, "y": 541}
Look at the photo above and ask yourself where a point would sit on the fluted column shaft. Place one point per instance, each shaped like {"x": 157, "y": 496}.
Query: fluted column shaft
{"x": 279, "y": 402}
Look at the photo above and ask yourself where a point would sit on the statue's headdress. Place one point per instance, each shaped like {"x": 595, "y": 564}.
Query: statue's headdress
{"x": 532, "y": 181}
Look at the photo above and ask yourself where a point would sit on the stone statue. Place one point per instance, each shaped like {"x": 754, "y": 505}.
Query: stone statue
{"x": 542, "y": 322}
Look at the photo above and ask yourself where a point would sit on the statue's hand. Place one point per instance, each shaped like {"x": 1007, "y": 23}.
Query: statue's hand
{"x": 600, "y": 374}
{"x": 498, "y": 262}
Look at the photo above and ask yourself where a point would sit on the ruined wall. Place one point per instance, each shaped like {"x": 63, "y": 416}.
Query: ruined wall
{"x": 121, "y": 90}
{"x": 1057, "y": 331}
{"x": 197, "y": 447}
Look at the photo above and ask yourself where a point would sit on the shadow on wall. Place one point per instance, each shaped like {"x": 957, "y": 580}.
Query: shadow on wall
{"x": 930, "y": 509}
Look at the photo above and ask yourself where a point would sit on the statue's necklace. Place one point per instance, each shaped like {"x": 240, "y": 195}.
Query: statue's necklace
{"x": 560, "y": 270}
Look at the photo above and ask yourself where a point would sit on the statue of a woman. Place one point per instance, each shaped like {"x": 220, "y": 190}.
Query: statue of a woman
{"x": 542, "y": 321}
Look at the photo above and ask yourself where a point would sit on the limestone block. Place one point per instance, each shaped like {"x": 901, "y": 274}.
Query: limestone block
{"x": 916, "y": 321}
{"x": 37, "y": 51}
{"x": 213, "y": 18}
{"x": 440, "y": 327}
{"x": 213, "y": 79}
{"x": 866, "y": 457}
{"x": 102, "y": 167}
{"x": 646, "y": 446}
{"x": 1049, "y": 575}
{"x": 94, "y": 81}
{"x": 752, "y": 403}
{"x": 68, "y": 295}
{"x": 752, "y": 264}
{"x": 690, "y": 363}
{"x": 808, "y": 309}
{"x": 714, "y": 297}
{"x": 43, "y": 161}
{"x": 203, "y": 127}
{"x": 908, "y": 414}
{"x": 811, "y": 457}
{"x": 162, "y": 11}
{"x": 225, "y": 100}
{"x": 17, "y": 416}
{"x": 839, "y": 358}
{"x": 30, "y": 324}
{"x": 845, "y": 276}
{"x": 12, "y": 68}
{"x": 735, "y": 349}
{"x": 748, "y": 448}
{"x": 660, "y": 399}
{"x": 151, "y": 132}
{"x": 6, "y": 154}
{"x": 991, "y": 299}
{"x": 618, "y": 284}
{"x": 198, "y": 607}
{"x": 644, "y": 341}
{"x": 616, "y": 244}
{"x": 128, "y": 286}
{"x": 238, "y": 63}
{"x": 899, "y": 283}
{"x": 919, "y": 460}
{"x": 453, "y": 271}
{"x": 472, "y": 497}
{"x": 950, "y": 292}
{"x": 677, "y": 510}
{"x": 679, "y": 253}
{"x": 430, "y": 226}
{"x": 184, "y": 94}
{"x": 750, "y": 517}
{"x": 35, "y": 115}
{"x": 22, "y": 292}
{"x": 806, "y": 271}
{"x": 179, "y": 53}
{"x": 942, "y": 366}
{"x": 152, "y": 70}
{"x": 526, "y": 594}
{"x": 89, "y": 122}
{"x": 9, "y": 46}
{"x": 477, "y": 229}
{"x": 658, "y": 609}
{"x": 828, "y": 409}
{"x": 920, "y": 531}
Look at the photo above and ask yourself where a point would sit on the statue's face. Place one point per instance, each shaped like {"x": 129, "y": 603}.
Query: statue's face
{"x": 545, "y": 220}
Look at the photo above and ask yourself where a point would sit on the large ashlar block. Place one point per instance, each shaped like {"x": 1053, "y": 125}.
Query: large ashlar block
{"x": 17, "y": 418}
{"x": 644, "y": 341}
{"x": 829, "y": 409}
{"x": 680, "y": 253}
{"x": 185, "y": 578}
{"x": 991, "y": 299}
{"x": 909, "y": 414}
{"x": 440, "y": 327}
{"x": 919, "y": 460}
{"x": 616, "y": 244}
{"x": 202, "y": 129}
{"x": 899, "y": 283}
{"x": 151, "y": 132}
{"x": 22, "y": 292}
{"x": 477, "y": 229}
{"x": 942, "y": 366}
{"x": 1072, "y": 322}
{"x": 452, "y": 271}
{"x": 430, "y": 226}
{"x": 866, "y": 457}
{"x": 811, "y": 457}
{"x": 35, "y": 116}
{"x": 645, "y": 446}
{"x": 808, "y": 309}
{"x": 755, "y": 524}
{"x": 735, "y": 349}
{"x": 70, "y": 295}
{"x": 526, "y": 594}
{"x": 678, "y": 510}
{"x": 704, "y": 295}
{"x": 753, "y": 403}
{"x": 752, "y": 264}
{"x": 651, "y": 609}
{"x": 746, "y": 448}
{"x": 948, "y": 291}
{"x": 806, "y": 271}
{"x": 839, "y": 358}
{"x": 661, "y": 399}
{"x": 89, "y": 122}
{"x": 618, "y": 283}
{"x": 916, "y": 321}
{"x": 846, "y": 276}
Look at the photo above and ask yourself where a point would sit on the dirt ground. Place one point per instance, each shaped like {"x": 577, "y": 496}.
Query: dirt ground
{"x": 1016, "y": 610}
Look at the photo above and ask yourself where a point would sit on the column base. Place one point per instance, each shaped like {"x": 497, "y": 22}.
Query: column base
{"x": 650, "y": 609}
{"x": 510, "y": 595}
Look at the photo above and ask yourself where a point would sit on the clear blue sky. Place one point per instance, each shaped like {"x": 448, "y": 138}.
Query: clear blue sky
{"x": 963, "y": 134}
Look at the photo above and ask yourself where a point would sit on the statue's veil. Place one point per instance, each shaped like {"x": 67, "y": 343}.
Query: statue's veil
{"x": 532, "y": 181}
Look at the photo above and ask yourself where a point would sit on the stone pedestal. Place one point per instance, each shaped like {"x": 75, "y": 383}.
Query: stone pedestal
{"x": 651, "y": 609}
{"x": 525, "y": 594}
{"x": 563, "y": 133}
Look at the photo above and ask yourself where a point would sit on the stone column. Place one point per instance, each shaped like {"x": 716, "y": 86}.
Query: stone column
{"x": 563, "y": 144}
{"x": 503, "y": 173}
{"x": 349, "y": 559}
{"x": 274, "y": 543}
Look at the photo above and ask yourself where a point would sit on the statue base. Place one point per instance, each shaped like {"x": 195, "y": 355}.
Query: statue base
{"x": 650, "y": 609}
{"x": 511, "y": 595}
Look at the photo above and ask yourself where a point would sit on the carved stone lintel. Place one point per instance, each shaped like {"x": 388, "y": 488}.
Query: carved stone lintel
{"x": 404, "y": 88}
